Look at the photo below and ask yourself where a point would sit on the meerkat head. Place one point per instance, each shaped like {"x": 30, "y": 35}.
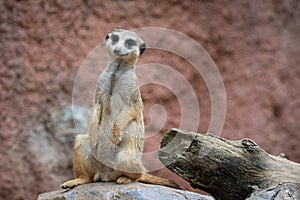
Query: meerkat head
{"x": 124, "y": 45}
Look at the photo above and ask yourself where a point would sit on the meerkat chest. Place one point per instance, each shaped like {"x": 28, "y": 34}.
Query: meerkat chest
{"x": 123, "y": 83}
{"x": 123, "y": 86}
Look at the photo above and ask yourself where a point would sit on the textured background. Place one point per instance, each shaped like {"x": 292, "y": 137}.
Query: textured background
{"x": 255, "y": 45}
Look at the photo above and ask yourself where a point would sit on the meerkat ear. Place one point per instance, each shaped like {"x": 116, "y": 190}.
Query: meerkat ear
{"x": 117, "y": 30}
{"x": 142, "y": 48}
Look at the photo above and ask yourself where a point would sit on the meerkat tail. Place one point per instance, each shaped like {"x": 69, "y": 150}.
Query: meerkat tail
{"x": 148, "y": 178}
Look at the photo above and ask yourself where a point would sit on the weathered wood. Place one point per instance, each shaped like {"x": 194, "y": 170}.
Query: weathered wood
{"x": 229, "y": 169}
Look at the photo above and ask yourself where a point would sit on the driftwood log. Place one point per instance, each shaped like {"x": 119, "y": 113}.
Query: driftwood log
{"x": 229, "y": 170}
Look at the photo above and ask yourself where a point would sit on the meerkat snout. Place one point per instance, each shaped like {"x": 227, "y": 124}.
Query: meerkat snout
{"x": 124, "y": 44}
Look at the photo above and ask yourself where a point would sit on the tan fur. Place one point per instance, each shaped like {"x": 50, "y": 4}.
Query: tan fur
{"x": 113, "y": 147}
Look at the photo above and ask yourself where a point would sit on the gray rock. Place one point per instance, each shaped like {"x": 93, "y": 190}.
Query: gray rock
{"x": 283, "y": 191}
{"x": 113, "y": 191}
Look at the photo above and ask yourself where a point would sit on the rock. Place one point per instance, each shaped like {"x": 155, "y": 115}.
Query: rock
{"x": 138, "y": 191}
{"x": 287, "y": 191}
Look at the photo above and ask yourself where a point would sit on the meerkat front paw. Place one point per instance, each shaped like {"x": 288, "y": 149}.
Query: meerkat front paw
{"x": 117, "y": 133}
{"x": 116, "y": 140}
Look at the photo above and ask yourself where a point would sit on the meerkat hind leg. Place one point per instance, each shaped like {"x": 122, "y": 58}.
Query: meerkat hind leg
{"x": 124, "y": 180}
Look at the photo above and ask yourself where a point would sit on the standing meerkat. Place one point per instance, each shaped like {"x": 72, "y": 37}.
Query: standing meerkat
{"x": 113, "y": 147}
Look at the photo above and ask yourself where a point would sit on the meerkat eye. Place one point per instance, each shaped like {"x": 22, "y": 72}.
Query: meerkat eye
{"x": 114, "y": 39}
{"x": 130, "y": 43}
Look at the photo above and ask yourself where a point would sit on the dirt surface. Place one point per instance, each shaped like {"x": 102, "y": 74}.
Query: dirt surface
{"x": 255, "y": 45}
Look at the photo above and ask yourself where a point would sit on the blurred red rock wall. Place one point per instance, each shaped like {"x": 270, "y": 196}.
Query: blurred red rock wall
{"x": 255, "y": 44}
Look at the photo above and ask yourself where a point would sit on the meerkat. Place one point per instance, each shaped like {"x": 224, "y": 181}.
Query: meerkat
{"x": 112, "y": 149}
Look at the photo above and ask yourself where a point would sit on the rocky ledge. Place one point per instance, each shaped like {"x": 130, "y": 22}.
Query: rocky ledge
{"x": 113, "y": 191}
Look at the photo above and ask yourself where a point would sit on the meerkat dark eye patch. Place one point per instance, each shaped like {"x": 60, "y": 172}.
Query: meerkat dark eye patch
{"x": 107, "y": 36}
{"x": 130, "y": 43}
{"x": 114, "y": 39}
{"x": 143, "y": 48}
